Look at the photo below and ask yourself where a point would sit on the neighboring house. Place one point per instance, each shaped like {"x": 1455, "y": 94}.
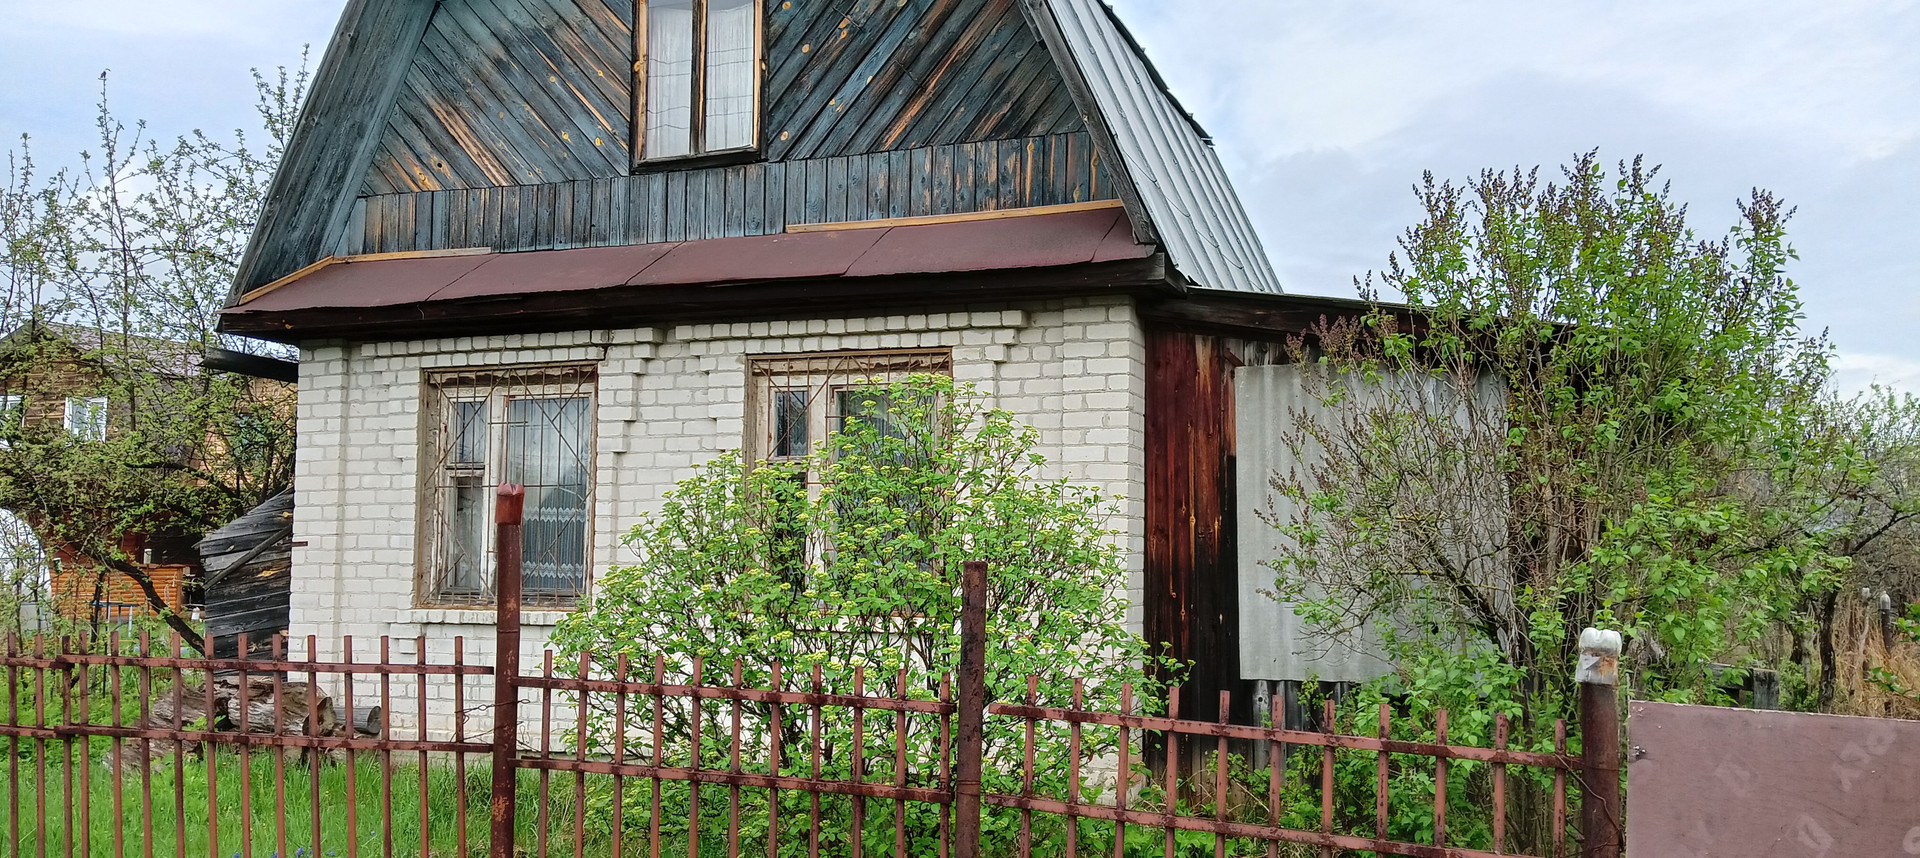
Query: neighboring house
{"x": 513, "y": 245}
{"x": 54, "y": 378}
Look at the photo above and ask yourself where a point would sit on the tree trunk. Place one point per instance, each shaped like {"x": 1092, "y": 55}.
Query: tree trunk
{"x": 1829, "y": 669}
{"x": 173, "y": 620}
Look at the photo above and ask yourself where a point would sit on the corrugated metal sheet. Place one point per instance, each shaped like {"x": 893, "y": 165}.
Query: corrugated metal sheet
{"x": 1173, "y": 167}
{"x": 1275, "y": 643}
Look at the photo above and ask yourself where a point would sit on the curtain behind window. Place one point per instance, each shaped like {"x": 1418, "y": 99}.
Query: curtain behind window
{"x": 547, "y": 453}
{"x": 730, "y": 60}
{"x": 669, "y": 78}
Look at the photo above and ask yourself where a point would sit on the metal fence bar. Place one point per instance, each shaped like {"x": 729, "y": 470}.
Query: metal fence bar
{"x": 1598, "y": 671}
{"x": 508, "y": 504}
{"x": 972, "y": 711}
{"x": 837, "y": 770}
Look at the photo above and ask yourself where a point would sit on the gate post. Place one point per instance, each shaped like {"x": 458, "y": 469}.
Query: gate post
{"x": 508, "y": 505}
{"x": 1598, "y": 674}
{"x": 972, "y": 704}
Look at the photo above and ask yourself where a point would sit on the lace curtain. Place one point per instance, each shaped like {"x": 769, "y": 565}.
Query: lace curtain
{"x": 730, "y": 58}
{"x": 669, "y": 78}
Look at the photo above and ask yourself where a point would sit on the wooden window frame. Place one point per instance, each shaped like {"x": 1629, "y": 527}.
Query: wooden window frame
{"x": 823, "y": 376}
{"x": 497, "y": 386}
{"x": 699, "y": 156}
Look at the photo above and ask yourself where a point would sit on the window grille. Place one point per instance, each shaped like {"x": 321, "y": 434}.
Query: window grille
{"x": 797, "y": 400}
{"x": 532, "y": 426}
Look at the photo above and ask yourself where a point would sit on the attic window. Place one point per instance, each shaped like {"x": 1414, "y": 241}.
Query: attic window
{"x": 697, "y": 83}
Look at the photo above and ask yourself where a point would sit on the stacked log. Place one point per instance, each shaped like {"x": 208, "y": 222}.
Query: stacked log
{"x": 303, "y": 709}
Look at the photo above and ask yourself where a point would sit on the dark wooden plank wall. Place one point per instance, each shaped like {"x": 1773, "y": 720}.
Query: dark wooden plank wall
{"x": 517, "y": 92}
{"x": 333, "y": 142}
{"x": 1191, "y": 602}
{"x": 253, "y": 599}
{"x": 748, "y": 199}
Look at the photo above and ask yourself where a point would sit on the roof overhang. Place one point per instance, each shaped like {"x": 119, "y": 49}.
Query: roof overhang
{"x": 437, "y": 293}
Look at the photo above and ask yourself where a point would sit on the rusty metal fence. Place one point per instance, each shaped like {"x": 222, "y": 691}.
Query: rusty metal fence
{"x": 116, "y": 748}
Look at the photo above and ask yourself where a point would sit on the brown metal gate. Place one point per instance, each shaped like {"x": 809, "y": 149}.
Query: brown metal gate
{"x": 1710, "y": 782}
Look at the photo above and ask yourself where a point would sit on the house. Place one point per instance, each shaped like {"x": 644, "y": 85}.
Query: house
{"x": 589, "y": 244}
{"x": 68, "y": 389}
{"x": 57, "y": 379}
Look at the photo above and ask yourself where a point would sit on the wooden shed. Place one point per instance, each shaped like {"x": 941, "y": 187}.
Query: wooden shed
{"x": 249, "y": 577}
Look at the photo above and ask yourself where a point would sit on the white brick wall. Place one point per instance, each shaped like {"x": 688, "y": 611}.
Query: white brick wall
{"x": 669, "y": 399}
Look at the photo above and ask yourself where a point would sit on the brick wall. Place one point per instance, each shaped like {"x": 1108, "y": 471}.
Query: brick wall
{"x": 669, "y": 399}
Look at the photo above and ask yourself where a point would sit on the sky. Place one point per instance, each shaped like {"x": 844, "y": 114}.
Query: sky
{"x": 1326, "y": 114}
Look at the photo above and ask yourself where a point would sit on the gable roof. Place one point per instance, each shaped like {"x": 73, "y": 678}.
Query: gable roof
{"x": 1175, "y": 189}
{"x": 111, "y": 349}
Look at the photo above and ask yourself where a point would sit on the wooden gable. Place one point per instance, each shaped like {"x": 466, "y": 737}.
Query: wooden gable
{"x": 507, "y": 125}
{"x": 513, "y": 92}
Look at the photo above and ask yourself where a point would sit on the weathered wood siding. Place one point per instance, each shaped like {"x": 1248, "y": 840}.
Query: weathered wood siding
{"x": 355, "y": 84}
{"x": 1192, "y": 584}
{"x": 747, "y": 199}
{"x": 252, "y": 598}
{"x": 519, "y": 92}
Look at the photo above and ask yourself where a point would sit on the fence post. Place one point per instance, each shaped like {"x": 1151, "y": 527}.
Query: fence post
{"x": 508, "y": 504}
{"x": 972, "y": 703}
{"x": 1598, "y": 674}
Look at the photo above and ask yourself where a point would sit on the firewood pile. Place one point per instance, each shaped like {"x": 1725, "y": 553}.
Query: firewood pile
{"x": 304, "y": 710}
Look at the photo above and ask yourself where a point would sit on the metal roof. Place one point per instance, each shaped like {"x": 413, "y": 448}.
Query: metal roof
{"x": 999, "y": 245}
{"x": 1176, "y": 175}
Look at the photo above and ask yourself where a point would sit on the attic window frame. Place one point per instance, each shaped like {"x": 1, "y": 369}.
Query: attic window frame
{"x": 698, "y": 154}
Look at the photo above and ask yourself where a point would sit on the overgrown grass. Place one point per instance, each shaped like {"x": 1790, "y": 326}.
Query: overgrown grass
{"x": 358, "y": 812}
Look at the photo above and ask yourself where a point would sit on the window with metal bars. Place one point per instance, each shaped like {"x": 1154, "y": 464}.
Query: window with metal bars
{"x": 532, "y": 426}
{"x": 795, "y": 401}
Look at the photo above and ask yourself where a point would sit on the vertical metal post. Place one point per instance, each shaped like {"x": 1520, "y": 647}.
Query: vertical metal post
{"x": 508, "y": 504}
{"x": 972, "y": 703}
{"x": 1598, "y": 674}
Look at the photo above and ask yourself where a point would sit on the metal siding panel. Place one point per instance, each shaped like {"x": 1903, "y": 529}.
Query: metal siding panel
{"x": 1275, "y": 643}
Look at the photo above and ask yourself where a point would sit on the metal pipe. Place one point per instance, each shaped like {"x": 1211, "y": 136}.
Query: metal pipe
{"x": 508, "y": 505}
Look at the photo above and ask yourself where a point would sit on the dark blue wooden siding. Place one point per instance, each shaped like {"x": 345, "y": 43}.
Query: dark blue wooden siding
{"x": 747, "y": 199}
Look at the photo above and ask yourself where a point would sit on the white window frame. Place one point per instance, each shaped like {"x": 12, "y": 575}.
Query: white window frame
{"x": 498, "y": 388}
{"x": 12, "y": 416}
{"x": 96, "y": 408}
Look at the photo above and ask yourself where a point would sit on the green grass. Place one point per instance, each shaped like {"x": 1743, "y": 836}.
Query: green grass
{"x": 176, "y": 805}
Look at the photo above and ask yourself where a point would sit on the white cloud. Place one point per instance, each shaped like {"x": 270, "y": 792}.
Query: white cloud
{"x": 253, "y": 22}
{"x": 1855, "y": 373}
{"x": 1299, "y": 75}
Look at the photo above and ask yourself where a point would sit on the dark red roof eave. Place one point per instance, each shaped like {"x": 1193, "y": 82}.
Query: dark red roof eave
{"x": 1069, "y": 251}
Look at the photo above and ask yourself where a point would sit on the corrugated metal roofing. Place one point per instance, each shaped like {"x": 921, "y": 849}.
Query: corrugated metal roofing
{"x": 1165, "y": 155}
